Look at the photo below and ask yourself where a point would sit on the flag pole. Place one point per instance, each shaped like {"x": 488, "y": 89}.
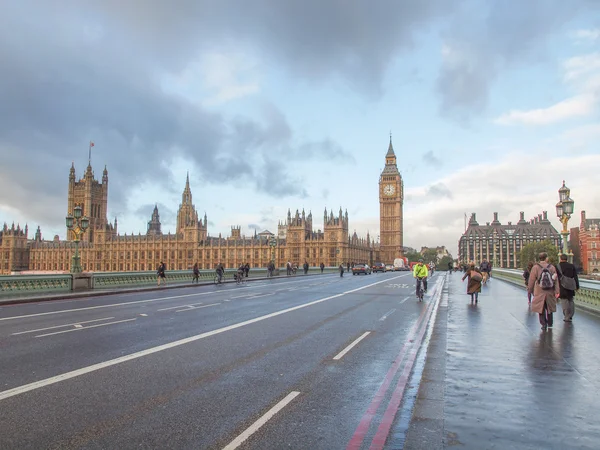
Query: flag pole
{"x": 90, "y": 154}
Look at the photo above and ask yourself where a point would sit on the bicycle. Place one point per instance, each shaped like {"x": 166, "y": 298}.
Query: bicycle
{"x": 218, "y": 278}
{"x": 420, "y": 289}
{"x": 238, "y": 277}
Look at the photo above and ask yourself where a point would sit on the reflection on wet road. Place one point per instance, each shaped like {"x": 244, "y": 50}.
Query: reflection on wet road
{"x": 511, "y": 385}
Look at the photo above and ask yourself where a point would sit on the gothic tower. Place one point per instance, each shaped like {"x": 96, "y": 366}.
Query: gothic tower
{"x": 92, "y": 196}
{"x": 188, "y": 224}
{"x": 154, "y": 226}
{"x": 391, "y": 200}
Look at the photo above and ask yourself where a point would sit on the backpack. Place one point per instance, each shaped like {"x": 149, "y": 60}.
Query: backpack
{"x": 545, "y": 279}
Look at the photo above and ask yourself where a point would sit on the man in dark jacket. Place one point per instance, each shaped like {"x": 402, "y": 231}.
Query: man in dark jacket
{"x": 569, "y": 283}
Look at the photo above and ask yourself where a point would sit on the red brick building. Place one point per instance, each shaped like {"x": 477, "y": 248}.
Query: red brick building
{"x": 589, "y": 244}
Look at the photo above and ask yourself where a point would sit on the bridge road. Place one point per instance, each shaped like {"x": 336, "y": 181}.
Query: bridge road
{"x": 297, "y": 363}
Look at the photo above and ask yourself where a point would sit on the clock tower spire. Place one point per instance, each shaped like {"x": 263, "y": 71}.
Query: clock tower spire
{"x": 391, "y": 201}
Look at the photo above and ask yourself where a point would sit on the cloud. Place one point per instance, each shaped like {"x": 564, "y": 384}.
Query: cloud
{"x": 586, "y": 35}
{"x": 438, "y": 190}
{"x": 581, "y": 73}
{"x": 475, "y": 51}
{"x": 432, "y": 160}
{"x": 579, "y": 106}
{"x": 523, "y": 181}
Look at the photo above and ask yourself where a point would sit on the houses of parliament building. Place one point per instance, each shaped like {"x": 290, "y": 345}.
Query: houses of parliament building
{"x": 103, "y": 249}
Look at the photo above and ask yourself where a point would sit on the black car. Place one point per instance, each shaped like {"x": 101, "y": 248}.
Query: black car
{"x": 378, "y": 267}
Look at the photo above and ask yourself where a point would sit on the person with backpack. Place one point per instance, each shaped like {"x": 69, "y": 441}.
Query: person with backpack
{"x": 475, "y": 278}
{"x": 544, "y": 287}
{"x": 568, "y": 283}
{"x": 196, "y": 273}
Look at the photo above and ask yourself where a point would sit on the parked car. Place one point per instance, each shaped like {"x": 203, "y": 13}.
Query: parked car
{"x": 361, "y": 268}
{"x": 378, "y": 267}
{"x": 389, "y": 268}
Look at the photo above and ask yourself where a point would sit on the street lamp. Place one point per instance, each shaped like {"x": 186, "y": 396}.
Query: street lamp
{"x": 77, "y": 225}
{"x": 564, "y": 209}
{"x": 273, "y": 244}
{"x": 495, "y": 244}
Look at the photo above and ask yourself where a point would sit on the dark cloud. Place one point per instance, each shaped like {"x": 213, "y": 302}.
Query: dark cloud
{"x": 439, "y": 190}
{"x": 430, "y": 159}
{"x": 509, "y": 34}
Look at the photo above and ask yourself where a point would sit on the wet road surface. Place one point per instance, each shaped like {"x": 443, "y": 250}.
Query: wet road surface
{"x": 505, "y": 383}
{"x": 320, "y": 363}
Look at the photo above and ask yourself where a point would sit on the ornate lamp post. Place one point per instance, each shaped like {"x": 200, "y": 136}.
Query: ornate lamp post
{"x": 273, "y": 245}
{"x": 495, "y": 244}
{"x": 77, "y": 225}
{"x": 564, "y": 209}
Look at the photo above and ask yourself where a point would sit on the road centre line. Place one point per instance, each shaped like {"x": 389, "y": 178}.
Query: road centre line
{"x": 61, "y": 326}
{"x": 341, "y": 354}
{"x": 131, "y": 303}
{"x": 387, "y": 314}
{"x": 404, "y": 300}
{"x": 178, "y": 306}
{"x": 85, "y": 370}
{"x": 262, "y": 295}
{"x": 85, "y": 328}
{"x": 192, "y": 308}
{"x": 261, "y": 421}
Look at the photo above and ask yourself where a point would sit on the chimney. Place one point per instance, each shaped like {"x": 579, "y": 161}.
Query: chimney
{"x": 539, "y": 217}
{"x": 583, "y": 216}
{"x": 509, "y": 224}
{"x": 495, "y": 217}
{"x": 522, "y": 213}
{"x": 545, "y": 215}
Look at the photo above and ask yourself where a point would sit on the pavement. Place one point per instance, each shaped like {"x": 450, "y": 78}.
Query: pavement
{"x": 494, "y": 380}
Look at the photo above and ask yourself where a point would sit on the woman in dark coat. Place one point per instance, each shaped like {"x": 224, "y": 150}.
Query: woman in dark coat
{"x": 526, "y": 273}
{"x": 475, "y": 278}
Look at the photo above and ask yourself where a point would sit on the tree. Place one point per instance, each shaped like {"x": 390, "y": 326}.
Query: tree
{"x": 413, "y": 256}
{"x": 443, "y": 265}
{"x": 531, "y": 252}
{"x": 430, "y": 255}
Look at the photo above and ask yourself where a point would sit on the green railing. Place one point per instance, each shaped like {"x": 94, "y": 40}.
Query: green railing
{"x": 588, "y": 294}
{"x": 12, "y": 284}
{"x": 47, "y": 284}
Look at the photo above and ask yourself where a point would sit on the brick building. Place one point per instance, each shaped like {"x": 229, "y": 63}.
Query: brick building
{"x": 589, "y": 244}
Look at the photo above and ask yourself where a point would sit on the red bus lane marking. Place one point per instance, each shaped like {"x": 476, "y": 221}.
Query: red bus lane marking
{"x": 365, "y": 423}
{"x": 390, "y": 413}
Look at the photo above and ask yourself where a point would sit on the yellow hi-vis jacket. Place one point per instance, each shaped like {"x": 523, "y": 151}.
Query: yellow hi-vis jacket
{"x": 420, "y": 271}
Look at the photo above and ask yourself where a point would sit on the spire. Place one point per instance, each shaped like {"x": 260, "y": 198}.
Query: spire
{"x": 390, "y": 151}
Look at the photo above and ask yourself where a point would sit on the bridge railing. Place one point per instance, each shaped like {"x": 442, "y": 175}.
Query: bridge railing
{"x": 588, "y": 294}
{"x": 11, "y": 285}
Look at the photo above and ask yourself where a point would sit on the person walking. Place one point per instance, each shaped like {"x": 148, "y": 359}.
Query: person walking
{"x": 474, "y": 282}
{"x": 568, "y": 284}
{"x": 322, "y": 266}
{"x": 160, "y": 274}
{"x": 196, "y": 273}
{"x": 341, "y": 270}
{"x": 305, "y": 267}
{"x": 542, "y": 284}
{"x": 526, "y": 273}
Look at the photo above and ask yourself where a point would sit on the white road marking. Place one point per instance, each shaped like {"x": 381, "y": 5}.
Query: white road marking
{"x": 341, "y": 354}
{"x": 404, "y": 300}
{"x": 388, "y": 314}
{"x": 263, "y": 295}
{"x": 61, "y": 326}
{"x": 191, "y": 308}
{"x": 85, "y": 328}
{"x": 144, "y": 315}
{"x": 178, "y": 306}
{"x": 78, "y": 326}
{"x": 260, "y": 422}
{"x": 112, "y": 362}
{"x": 240, "y": 296}
{"x": 129, "y": 303}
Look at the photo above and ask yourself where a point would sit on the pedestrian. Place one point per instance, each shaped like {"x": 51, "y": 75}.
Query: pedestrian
{"x": 474, "y": 282}
{"x": 305, "y": 267}
{"x": 322, "y": 266}
{"x": 568, "y": 284}
{"x": 542, "y": 284}
{"x": 341, "y": 270}
{"x": 160, "y": 274}
{"x": 348, "y": 266}
{"x": 247, "y": 269}
{"x": 196, "y": 273}
{"x": 526, "y": 273}
{"x": 289, "y": 268}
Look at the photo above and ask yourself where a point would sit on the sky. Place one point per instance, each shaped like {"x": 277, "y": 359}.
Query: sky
{"x": 271, "y": 105}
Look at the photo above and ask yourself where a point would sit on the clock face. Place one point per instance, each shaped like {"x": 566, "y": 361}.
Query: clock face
{"x": 389, "y": 189}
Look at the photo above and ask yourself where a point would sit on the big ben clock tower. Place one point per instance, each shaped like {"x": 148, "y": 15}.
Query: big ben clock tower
{"x": 391, "y": 200}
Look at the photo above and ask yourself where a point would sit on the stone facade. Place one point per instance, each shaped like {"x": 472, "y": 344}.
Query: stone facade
{"x": 391, "y": 201}
{"x": 501, "y": 244}
{"x": 589, "y": 244}
{"x": 102, "y": 249}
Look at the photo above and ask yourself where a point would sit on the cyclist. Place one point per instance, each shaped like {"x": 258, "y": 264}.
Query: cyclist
{"x": 220, "y": 271}
{"x": 240, "y": 273}
{"x": 420, "y": 272}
